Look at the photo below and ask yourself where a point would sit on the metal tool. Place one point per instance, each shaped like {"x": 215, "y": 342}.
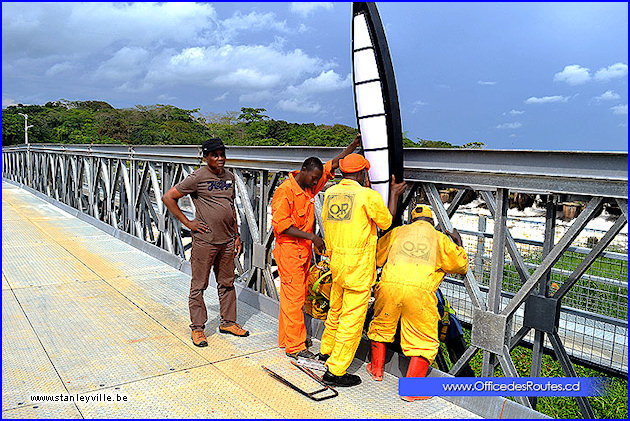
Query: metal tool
{"x": 310, "y": 395}
{"x": 311, "y": 364}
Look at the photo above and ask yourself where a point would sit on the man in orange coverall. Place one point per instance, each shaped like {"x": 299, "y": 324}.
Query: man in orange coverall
{"x": 418, "y": 256}
{"x": 293, "y": 216}
{"x": 351, "y": 214}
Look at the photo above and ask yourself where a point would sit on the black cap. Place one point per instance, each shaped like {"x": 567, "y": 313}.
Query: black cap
{"x": 212, "y": 145}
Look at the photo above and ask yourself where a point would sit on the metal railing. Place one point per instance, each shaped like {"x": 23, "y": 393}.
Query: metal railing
{"x": 538, "y": 291}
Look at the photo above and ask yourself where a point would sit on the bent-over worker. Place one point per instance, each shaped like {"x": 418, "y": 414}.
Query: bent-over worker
{"x": 416, "y": 257}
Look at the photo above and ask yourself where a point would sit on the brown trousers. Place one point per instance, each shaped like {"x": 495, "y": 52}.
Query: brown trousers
{"x": 219, "y": 257}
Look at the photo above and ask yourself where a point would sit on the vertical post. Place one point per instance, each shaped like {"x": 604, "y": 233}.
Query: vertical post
{"x": 133, "y": 183}
{"x": 246, "y": 237}
{"x": 29, "y": 171}
{"x": 496, "y": 269}
{"x": 543, "y": 290}
{"x": 481, "y": 248}
{"x": 262, "y": 216}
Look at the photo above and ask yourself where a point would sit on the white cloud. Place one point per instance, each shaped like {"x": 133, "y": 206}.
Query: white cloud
{"x": 326, "y": 81}
{"x": 514, "y": 112}
{"x": 59, "y": 68}
{"x": 546, "y": 99}
{"x": 240, "y": 66}
{"x": 608, "y": 96}
{"x": 514, "y": 125}
{"x": 84, "y": 28}
{"x": 481, "y": 82}
{"x": 166, "y": 97}
{"x": 304, "y": 8}
{"x": 221, "y": 97}
{"x": 298, "y": 106}
{"x": 614, "y": 71}
{"x": 126, "y": 63}
{"x": 251, "y": 22}
{"x": 573, "y": 75}
{"x": 8, "y": 102}
{"x": 416, "y": 106}
{"x": 620, "y": 109}
{"x": 255, "y": 97}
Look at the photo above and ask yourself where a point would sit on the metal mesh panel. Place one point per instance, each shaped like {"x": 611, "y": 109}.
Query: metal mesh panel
{"x": 593, "y": 322}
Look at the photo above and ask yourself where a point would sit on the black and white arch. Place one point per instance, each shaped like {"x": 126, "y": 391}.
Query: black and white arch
{"x": 376, "y": 98}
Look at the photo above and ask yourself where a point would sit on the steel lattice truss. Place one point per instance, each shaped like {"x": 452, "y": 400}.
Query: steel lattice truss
{"x": 122, "y": 187}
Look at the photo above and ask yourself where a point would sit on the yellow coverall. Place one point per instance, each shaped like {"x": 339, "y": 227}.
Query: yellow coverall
{"x": 351, "y": 214}
{"x": 418, "y": 256}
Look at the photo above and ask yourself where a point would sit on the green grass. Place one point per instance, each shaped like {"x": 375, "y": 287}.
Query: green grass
{"x": 613, "y": 405}
{"x": 589, "y": 295}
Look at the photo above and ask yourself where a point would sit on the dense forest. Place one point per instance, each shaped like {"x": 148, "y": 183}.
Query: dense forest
{"x": 98, "y": 122}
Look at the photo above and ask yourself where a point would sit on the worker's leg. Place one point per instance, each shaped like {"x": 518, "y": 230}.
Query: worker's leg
{"x": 332, "y": 319}
{"x": 387, "y": 310}
{"x": 201, "y": 257}
{"x": 418, "y": 324}
{"x": 418, "y": 367}
{"x": 224, "y": 274}
{"x": 349, "y": 329}
{"x": 382, "y": 329}
{"x": 293, "y": 285}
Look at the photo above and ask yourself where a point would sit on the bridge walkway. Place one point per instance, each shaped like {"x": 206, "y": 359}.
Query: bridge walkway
{"x": 87, "y": 316}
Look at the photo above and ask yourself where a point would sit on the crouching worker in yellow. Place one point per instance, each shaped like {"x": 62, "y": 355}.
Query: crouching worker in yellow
{"x": 418, "y": 256}
{"x": 351, "y": 214}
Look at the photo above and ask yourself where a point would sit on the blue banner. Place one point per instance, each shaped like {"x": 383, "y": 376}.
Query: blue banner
{"x": 501, "y": 386}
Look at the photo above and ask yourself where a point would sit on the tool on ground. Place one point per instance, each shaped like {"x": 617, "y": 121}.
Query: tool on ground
{"x": 311, "y": 364}
{"x": 310, "y": 395}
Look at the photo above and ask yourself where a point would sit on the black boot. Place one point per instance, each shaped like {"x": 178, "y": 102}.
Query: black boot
{"x": 347, "y": 380}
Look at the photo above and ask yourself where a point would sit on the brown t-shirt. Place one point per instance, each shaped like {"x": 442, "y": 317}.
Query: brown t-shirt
{"x": 213, "y": 197}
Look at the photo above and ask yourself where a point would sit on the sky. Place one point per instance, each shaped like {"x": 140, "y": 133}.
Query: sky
{"x": 541, "y": 76}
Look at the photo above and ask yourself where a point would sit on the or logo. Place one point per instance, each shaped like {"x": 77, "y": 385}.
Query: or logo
{"x": 340, "y": 207}
{"x": 416, "y": 250}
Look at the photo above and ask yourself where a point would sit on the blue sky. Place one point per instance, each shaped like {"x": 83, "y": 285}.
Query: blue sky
{"x": 545, "y": 76}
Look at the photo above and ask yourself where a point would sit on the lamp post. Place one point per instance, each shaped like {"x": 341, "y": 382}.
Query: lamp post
{"x": 26, "y": 127}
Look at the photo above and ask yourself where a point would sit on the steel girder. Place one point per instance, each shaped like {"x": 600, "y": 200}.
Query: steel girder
{"x": 122, "y": 186}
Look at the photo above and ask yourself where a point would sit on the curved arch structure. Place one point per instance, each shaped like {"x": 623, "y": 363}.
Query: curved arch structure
{"x": 376, "y": 98}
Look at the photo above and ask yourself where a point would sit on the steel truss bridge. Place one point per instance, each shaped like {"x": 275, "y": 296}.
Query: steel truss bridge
{"x": 121, "y": 186}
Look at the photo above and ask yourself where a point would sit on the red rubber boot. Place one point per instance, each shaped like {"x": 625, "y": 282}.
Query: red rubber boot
{"x": 418, "y": 367}
{"x": 375, "y": 366}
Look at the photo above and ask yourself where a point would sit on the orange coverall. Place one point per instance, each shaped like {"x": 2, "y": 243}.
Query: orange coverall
{"x": 351, "y": 214}
{"x": 418, "y": 256}
{"x": 292, "y": 206}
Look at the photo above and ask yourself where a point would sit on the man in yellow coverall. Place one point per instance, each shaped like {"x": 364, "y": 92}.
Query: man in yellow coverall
{"x": 418, "y": 256}
{"x": 351, "y": 214}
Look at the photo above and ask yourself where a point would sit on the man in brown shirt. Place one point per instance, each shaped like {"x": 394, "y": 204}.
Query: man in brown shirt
{"x": 215, "y": 238}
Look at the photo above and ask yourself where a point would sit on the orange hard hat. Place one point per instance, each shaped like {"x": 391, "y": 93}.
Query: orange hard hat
{"x": 353, "y": 163}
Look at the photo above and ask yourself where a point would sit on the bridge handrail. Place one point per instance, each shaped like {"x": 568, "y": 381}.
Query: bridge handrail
{"x": 583, "y": 173}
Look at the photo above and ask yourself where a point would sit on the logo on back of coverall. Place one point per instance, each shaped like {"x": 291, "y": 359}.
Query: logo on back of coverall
{"x": 340, "y": 207}
{"x": 416, "y": 250}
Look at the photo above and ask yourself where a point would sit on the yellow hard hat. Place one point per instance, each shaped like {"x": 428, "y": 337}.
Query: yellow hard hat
{"x": 421, "y": 211}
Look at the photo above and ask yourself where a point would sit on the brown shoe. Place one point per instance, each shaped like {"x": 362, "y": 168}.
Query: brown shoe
{"x": 234, "y": 329}
{"x": 199, "y": 338}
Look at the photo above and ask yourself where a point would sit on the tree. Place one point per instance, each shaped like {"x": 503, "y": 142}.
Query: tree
{"x": 423, "y": 143}
{"x": 252, "y": 114}
{"x": 473, "y": 145}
